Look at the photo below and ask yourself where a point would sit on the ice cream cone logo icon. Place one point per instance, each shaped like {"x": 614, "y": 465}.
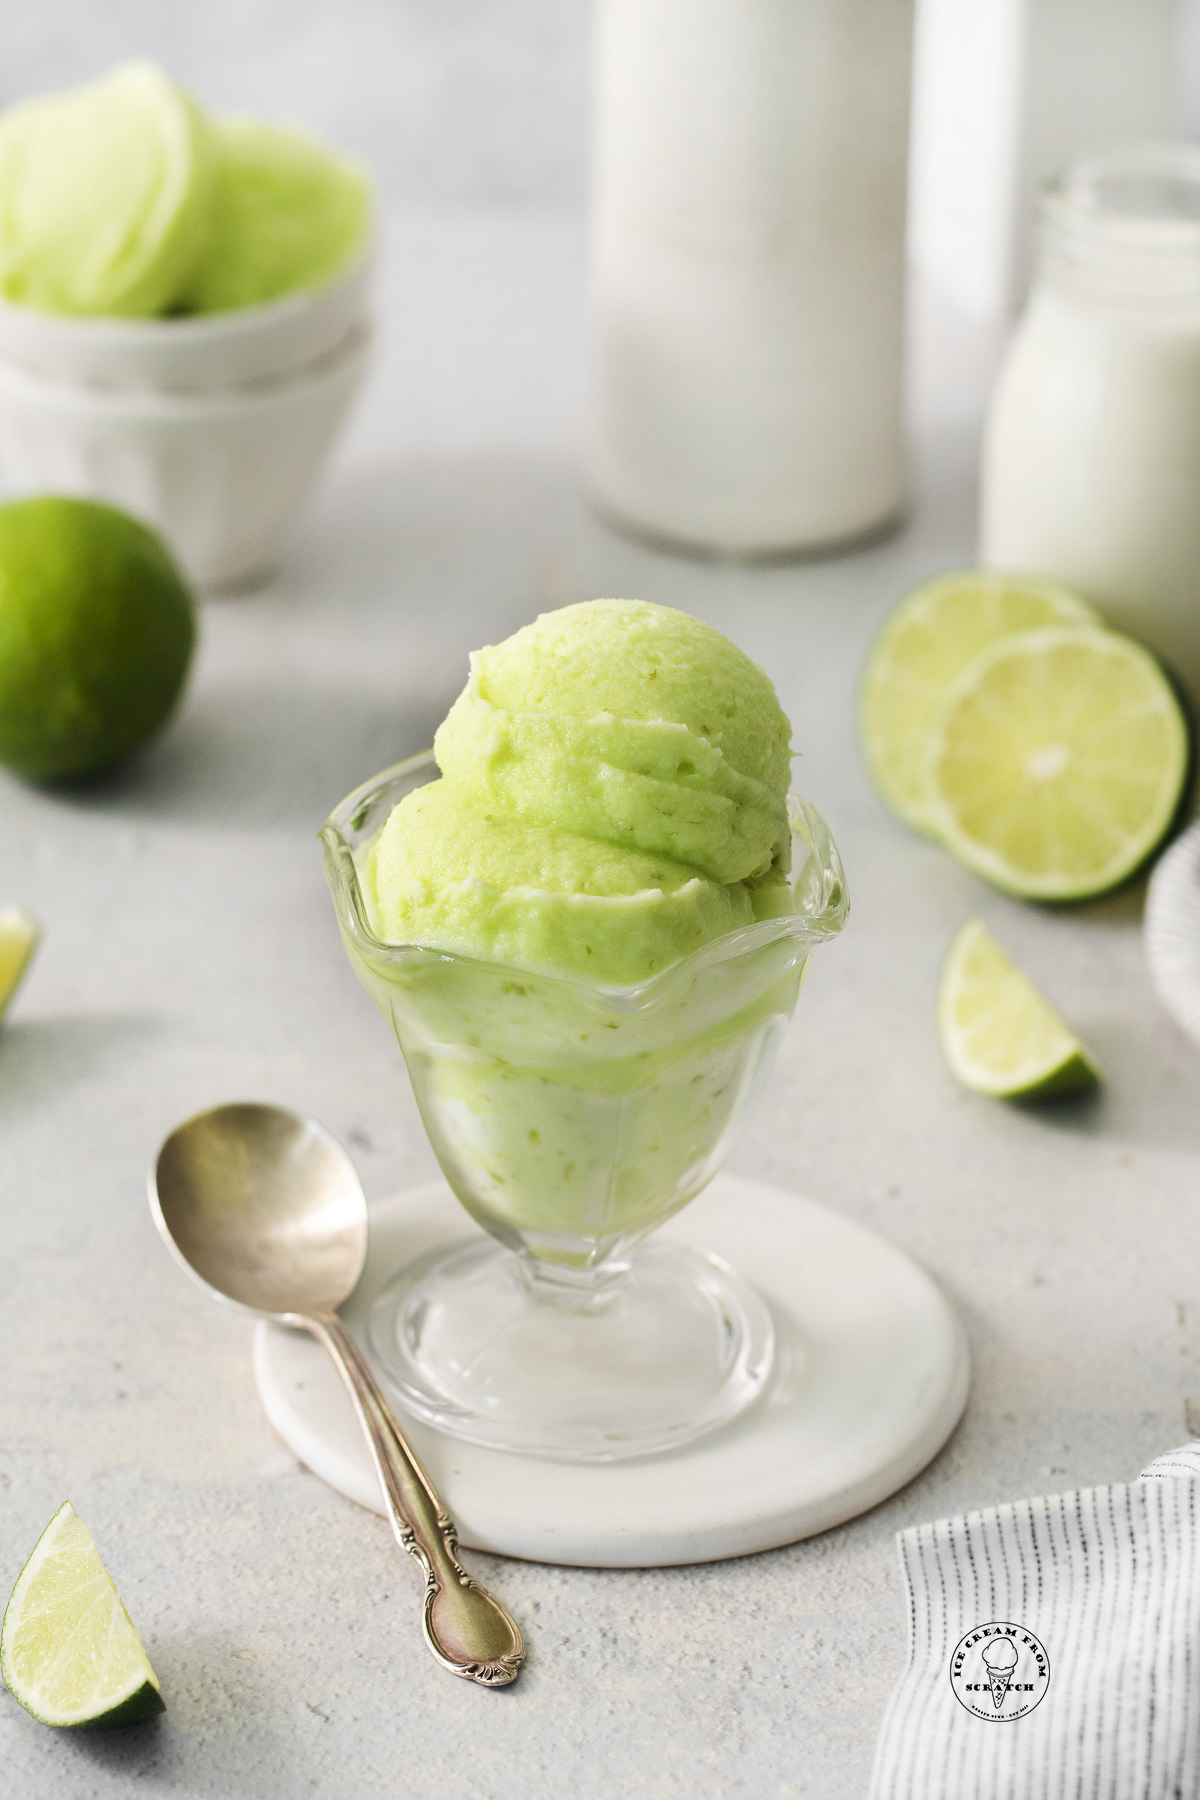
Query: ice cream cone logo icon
{"x": 999, "y": 1671}
{"x": 1000, "y": 1658}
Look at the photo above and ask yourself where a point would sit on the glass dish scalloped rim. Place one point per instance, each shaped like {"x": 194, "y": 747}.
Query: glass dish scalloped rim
{"x": 818, "y": 883}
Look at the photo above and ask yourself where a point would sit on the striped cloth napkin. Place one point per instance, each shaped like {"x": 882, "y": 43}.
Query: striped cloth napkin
{"x": 1054, "y": 1648}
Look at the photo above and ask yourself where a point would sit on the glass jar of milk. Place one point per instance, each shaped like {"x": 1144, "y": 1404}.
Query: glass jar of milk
{"x": 748, "y": 269}
{"x": 1092, "y": 450}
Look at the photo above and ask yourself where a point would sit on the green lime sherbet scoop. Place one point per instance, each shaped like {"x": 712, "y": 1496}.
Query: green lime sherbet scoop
{"x": 613, "y": 797}
{"x": 105, "y": 196}
{"x": 287, "y": 216}
{"x": 632, "y": 723}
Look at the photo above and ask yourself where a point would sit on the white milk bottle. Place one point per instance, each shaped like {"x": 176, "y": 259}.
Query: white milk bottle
{"x": 748, "y": 269}
{"x": 1092, "y": 450}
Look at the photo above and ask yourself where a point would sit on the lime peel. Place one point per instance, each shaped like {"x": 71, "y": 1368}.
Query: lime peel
{"x": 69, "y": 1652}
{"x": 19, "y": 935}
{"x": 999, "y": 1035}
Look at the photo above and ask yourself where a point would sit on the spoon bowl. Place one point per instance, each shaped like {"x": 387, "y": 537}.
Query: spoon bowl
{"x": 265, "y": 1207}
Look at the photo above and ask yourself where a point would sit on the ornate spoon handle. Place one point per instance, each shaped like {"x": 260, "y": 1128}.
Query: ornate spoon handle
{"x": 467, "y": 1629}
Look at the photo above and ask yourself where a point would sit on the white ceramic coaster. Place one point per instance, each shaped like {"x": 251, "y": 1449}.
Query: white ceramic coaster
{"x": 870, "y": 1379}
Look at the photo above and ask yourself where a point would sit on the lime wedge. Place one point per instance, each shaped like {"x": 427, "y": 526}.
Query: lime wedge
{"x": 69, "y": 1651}
{"x": 998, "y": 1034}
{"x": 1057, "y": 762}
{"x": 19, "y": 934}
{"x": 924, "y": 643}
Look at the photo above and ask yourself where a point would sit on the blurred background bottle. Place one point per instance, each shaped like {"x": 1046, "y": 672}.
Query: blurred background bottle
{"x": 748, "y": 269}
{"x": 1092, "y": 451}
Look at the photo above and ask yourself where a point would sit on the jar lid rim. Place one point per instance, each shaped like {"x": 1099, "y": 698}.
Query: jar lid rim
{"x": 1148, "y": 191}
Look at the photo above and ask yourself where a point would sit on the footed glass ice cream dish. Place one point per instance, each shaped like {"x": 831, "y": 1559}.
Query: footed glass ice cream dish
{"x": 571, "y": 1119}
{"x": 586, "y": 917}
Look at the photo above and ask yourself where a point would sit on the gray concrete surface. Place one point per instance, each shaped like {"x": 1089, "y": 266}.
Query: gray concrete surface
{"x": 191, "y": 956}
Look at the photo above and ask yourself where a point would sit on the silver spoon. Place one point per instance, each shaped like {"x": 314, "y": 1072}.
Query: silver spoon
{"x": 266, "y": 1210}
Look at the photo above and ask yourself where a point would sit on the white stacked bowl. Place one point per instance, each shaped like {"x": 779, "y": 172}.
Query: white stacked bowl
{"x": 213, "y": 428}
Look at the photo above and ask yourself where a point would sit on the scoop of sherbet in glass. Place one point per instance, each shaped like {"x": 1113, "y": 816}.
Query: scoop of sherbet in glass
{"x": 105, "y": 196}
{"x": 637, "y": 725}
{"x": 288, "y": 216}
{"x": 585, "y": 1017}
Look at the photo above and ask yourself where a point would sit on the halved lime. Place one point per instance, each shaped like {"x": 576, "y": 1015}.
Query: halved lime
{"x": 1057, "y": 762}
{"x": 69, "y": 1651}
{"x": 999, "y": 1035}
{"x": 924, "y": 642}
{"x": 19, "y": 934}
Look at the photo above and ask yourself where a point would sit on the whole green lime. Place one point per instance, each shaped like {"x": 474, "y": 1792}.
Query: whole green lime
{"x": 97, "y": 628}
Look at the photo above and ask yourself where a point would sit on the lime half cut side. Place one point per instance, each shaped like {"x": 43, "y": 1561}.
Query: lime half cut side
{"x": 19, "y": 934}
{"x": 999, "y": 1035}
{"x": 1057, "y": 762}
{"x": 926, "y": 640}
{"x": 69, "y": 1651}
